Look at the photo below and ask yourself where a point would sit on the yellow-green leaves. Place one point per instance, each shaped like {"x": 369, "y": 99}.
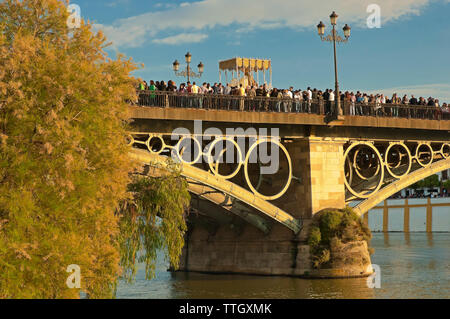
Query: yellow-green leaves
{"x": 64, "y": 167}
{"x": 154, "y": 220}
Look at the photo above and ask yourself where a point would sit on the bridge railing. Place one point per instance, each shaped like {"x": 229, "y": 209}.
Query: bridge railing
{"x": 227, "y": 102}
{"x": 396, "y": 110}
{"x": 269, "y": 104}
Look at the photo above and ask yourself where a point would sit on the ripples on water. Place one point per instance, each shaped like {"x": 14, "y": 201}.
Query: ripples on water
{"x": 412, "y": 266}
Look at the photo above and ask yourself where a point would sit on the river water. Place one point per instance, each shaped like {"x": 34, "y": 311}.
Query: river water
{"x": 412, "y": 266}
{"x": 415, "y": 265}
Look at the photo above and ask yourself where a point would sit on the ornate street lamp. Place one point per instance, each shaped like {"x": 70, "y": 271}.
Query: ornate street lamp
{"x": 176, "y": 66}
{"x": 188, "y": 73}
{"x": 201, "y": 68}
{"x": 188, "y": 57}
{"x": 335, "y": 37}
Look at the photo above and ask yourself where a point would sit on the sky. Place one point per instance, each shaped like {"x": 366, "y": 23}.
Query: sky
{"x": 408, "y": 54}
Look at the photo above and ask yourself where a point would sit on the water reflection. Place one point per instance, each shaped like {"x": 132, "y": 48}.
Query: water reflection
{"x": 430, "y": 239}
{"x": 415, "y": 265}
{"x": 201, "y": 286}
{"x": 407, "y": 239}
{"x": 386, "y": 239}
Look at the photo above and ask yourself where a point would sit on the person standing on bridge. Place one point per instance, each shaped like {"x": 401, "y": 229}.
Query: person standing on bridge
{"x": 437, "y": 112}
{"x": 309, "y": 97}
{"x": 287, "y": 103}
{"x": 359, "y": 102}
{"x": 162, "y": 86}
{"x": 252, "y": 95}
{"x": 259, "y": 95}
{"x": 241, "y": 93}
{"x": 352, "y": 104}
{"x": 227, "y": 92}
{"x": 395, "y": 101}
{"x": 445, "y": 111}
{"x": 182, "y": 91}
{"x": 330, "y": 101}
{"x": 298, "y": 97}
{"x": 378, "y": 111}
{"x": 164, "y": 100}
{"x": 291, "y": 96}
{"x": 141, "y": 95}
{"x": 326, "y": 98}
{"x": 194, "y": 90}
{"x": 202, "y": 91}
{"x": 152, "y": 89}
{"x": 172, "y": 88}
{"x": 383, "y": 103}
{"x": 189, "y": 92}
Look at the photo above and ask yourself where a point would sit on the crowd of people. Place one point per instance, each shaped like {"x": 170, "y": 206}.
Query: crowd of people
{"x": 295, "y": 100}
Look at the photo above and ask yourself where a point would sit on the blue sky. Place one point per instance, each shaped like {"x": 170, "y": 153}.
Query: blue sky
{"x": 410, "y": 53}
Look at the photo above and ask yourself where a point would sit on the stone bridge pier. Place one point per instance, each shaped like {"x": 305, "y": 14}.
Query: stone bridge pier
{"x": 318, "y": 183}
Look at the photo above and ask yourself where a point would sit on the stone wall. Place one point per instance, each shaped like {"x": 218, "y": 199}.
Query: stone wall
{"x": 319, "y": 166}
{"x": 327, "y": 174}
{"x": 249, "y": 253}
{"x": 252, "y": 253}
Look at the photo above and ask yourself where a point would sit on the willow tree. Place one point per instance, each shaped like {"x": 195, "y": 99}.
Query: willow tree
{"x": 64, "y": 169}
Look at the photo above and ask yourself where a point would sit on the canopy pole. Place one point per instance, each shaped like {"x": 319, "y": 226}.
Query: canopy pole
{"x": 270, "y": 76}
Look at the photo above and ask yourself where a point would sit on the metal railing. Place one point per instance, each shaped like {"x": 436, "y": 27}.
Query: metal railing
{"x": 288, "y": 105}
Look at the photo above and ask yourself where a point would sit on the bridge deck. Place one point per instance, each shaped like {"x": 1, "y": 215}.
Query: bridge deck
{"x": 228, "y": 116}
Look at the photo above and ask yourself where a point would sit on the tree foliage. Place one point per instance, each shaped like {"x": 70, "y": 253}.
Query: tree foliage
{"x": 429, "y": 182}
{"x": 64, "y": 168}
{"x": 446, "y": 184}
{"x": 154, "y": 221}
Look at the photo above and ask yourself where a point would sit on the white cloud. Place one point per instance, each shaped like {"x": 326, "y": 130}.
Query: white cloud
{"x": 249, "y": 14}
{"x": 116, "y": 3}
{"x": 439, "y": 91}
{"x": 182, "y": 38}
{"x": 165, "y": 5}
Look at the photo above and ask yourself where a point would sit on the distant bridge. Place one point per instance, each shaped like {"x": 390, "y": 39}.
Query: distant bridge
{"x": 404, "y": 207}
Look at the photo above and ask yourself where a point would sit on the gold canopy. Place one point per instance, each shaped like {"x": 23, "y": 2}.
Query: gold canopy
{"x": 245, "y": 71}
{"x": 243, "y": 64}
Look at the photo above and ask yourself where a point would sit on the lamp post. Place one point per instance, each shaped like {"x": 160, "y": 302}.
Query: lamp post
{"x": 335, "y": 37}
{"x": 188, "y": 73}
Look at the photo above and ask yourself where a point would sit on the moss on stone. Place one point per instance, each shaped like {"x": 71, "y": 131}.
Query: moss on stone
{"x": 332, "y": 229}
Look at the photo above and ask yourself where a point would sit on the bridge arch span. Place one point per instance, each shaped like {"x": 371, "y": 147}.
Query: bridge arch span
{"x": 395, "y": 187}
{"x": 201, "y": 177}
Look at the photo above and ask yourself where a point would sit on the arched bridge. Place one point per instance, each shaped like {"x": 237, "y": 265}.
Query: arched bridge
{"x": 257, "y": 178}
